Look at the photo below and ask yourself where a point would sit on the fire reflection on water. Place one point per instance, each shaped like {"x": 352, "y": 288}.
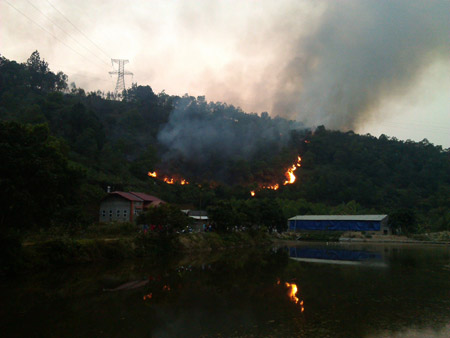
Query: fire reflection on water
{"x": 149, "y": 296}
{"x": 292, "y": 291}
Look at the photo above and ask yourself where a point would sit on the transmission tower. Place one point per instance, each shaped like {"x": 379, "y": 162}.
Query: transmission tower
{"x": 120, "y": 84}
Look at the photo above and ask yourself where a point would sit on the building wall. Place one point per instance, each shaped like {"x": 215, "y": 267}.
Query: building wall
{"x": 335, "y": 225}
{"x": 138, "y": 208}
{"x": 115, "y": 209}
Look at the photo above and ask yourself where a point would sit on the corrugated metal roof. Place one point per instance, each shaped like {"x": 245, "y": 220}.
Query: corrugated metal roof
{"x": 338, "y": 218}
{"x": 199, "y": 217}
{"x": 197, "y": 213}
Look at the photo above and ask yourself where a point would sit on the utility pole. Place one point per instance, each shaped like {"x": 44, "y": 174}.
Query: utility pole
{"x": 120, "y": 84}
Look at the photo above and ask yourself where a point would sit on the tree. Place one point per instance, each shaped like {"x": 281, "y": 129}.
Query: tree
{"x": 36, "y": 182}
{"x": 166, "y": 218}
{"x": 223, "y": 216}
{"x": 40, "y": 76}
{"x": 403, "y": 221}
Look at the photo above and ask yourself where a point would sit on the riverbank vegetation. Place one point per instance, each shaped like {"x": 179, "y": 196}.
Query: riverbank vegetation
{"x": 56, "y": 248}
{"x": 61, "y": 147}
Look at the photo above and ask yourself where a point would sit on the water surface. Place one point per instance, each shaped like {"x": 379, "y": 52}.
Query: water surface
{"x": 347, "y": 290}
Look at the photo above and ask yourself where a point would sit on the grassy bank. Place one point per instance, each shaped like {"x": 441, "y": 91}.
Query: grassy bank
{"x": 44, "y": 250}
{"x": 442, "y": 237}
{"x": 313, "y": 236}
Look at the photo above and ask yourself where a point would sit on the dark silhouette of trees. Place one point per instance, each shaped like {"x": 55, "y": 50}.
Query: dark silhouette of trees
{"x": 221, "y": 148}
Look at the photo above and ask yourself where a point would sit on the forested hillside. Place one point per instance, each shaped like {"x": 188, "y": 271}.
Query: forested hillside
{"x": 61, "y": 148}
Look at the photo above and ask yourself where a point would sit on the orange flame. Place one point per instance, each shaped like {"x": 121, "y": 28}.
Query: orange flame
{"x": 290, "y": 172}
{"x": 292, "y": 293}
{"x": 289, "y": 176}
{"x": 168, "y": 180}
{"x": 292, "y": 289}
{"x": 272, "y": 187}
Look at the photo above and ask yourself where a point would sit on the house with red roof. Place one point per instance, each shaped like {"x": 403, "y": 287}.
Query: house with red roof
{"x": 121, "y": 206}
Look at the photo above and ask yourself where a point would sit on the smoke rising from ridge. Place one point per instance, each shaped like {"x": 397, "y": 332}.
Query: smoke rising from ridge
{"x": 361, "y": 52}
{"x": 355, "y": 54}
{"x": 319, "y": 61}
{"x": 207, "y": 135}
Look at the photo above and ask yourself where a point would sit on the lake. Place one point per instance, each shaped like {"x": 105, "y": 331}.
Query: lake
{"x": 343, "y": 290}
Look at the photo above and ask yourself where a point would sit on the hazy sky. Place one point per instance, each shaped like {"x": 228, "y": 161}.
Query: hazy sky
{"x": 374, "y": 66}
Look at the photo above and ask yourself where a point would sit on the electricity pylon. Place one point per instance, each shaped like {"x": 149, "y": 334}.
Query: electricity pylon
{"x": 120, "y": 84}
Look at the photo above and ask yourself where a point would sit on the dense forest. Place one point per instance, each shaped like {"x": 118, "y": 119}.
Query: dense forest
{"x": 61, "y": 147}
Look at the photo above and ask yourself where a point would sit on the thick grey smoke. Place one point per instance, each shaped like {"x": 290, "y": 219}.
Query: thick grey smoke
{"x": 200, "y": 133}
{"x": 361, "y": 52}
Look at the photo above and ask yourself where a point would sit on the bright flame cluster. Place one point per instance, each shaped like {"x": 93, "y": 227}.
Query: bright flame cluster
{"x": 290, "y": 177}
{"x": 168, "y": 180}
{"x": 290, "y": 172}
{"x": 292, "y": 293}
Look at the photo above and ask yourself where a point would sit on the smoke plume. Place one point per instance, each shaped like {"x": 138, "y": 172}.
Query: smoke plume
{"x": 360, "y": 53}
{"x": 207, "y": 136}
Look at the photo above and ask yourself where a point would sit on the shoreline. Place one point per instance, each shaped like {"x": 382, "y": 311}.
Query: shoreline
{"x": 361, "y": 241}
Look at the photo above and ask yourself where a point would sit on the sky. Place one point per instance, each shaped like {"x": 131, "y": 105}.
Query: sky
{"x": 378, "y": 67}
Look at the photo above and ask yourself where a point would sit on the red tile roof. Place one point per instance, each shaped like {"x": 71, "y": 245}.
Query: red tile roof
{"x": 138, "y": 197}
{"x": 127, "y": 195}
{"x": 147, "y": 198}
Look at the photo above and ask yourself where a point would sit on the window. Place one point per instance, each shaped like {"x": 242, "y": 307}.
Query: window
{"x": 110, "y": 213}
{"x": 118, "y": 213}
{"x": 103, "y": 213}
{"x": 125, "y": 213}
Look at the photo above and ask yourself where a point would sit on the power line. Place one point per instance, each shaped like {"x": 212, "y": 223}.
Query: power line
{"x": 45, "y": 30}
{"x": 79, "y": 30}
{"x": 66, "y": 33}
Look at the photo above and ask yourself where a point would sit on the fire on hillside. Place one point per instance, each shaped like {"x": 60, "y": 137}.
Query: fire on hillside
{"x": 290, "y": 178}
{"x": 168, "y": 180}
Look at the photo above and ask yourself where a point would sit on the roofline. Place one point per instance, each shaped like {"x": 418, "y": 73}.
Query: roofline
{"x": 380, "y": 217}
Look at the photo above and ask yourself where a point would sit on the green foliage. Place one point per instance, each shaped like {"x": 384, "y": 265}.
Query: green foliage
{"x": 224, "y": 216}
{"x": 227, "y": 215}
{"x": 116, "y": 143}
{"x": 166, "y": 218}
{"x": 36, "y": 181}
{"x": 403, "y": 221}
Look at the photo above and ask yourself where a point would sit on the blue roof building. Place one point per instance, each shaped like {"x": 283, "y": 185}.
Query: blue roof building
{"x": 371, "y": 223}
